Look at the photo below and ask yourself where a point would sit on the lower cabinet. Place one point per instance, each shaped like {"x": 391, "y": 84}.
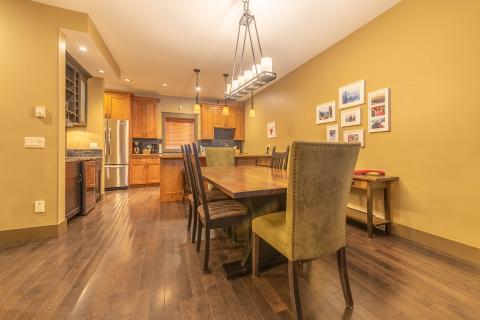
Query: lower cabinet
{"x": 144, "y": 170}
{"x": 73, "y": 188}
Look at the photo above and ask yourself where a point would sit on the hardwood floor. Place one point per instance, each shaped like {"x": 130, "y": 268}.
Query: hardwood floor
{"x": 131, "y": 258}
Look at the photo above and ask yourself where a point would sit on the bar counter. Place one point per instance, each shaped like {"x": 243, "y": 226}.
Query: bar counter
{"x": 171, "y": 165}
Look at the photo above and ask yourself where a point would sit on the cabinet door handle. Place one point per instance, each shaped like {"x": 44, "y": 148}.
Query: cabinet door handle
{"x": 80, "y": 178}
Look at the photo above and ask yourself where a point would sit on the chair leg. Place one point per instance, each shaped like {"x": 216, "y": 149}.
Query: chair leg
{"x": 199, "y": 235}
{"x": 342, "y": 270}
{"x": 294, "y": 292}
{"x": 190, "y": 214}
{"x": 255, "y": 254}
{"x": 195, "y": 223}
{"x": 207, "y": 248}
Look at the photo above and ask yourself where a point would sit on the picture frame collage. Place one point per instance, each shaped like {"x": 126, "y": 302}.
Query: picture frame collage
{"x": 349, "y": 96}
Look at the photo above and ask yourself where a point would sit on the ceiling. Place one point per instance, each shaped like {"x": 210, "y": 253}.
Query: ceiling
{"x": 162, "y": 41}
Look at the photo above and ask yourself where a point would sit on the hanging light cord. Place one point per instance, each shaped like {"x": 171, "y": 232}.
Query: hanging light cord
{"x": 196, "y": 85}
{"x": 251, "y": 101}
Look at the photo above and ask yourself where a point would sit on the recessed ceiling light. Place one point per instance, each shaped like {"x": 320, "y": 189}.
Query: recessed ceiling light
{"x": 100, "y": 71}
{"x": 82, "y": 49}
{"x": 164, "y": 84}
{"x": 127, "y": 80}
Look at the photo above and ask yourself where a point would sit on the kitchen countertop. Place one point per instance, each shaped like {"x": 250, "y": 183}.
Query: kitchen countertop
{"x": 82, "y": 158}
{"x": 241, "y": 155}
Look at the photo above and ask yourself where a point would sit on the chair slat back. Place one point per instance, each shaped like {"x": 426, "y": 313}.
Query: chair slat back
{"x": 280, "y": 159}
{"x": 185, "y": 168}
{"x": 198, "y": 178}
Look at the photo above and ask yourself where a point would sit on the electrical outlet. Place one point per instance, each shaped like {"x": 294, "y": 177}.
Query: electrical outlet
{"x": 39, "y": 206}
{"x": 93, "y": 145}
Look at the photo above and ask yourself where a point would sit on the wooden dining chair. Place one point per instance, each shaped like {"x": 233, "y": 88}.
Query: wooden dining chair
{"x": 193, "y": 202}
{"x": 213, "y": 215}
{"x": 313, "y": 225}
{"x": 280, "y": 159}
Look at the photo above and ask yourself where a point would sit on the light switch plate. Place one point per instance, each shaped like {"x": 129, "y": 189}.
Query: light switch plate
{"x": 39, "y": 206}
{"x": 40, "y": 112}
{"x": 35, "y": 142}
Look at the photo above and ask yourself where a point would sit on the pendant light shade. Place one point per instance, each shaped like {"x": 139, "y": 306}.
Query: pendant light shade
{"x": 252, "y": 110}
{"x": 225, "y": 111}
{"x": 196, "y": 107}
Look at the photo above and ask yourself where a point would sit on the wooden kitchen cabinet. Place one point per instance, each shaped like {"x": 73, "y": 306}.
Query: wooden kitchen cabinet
{"x": 116, "y": 105}
{"x": 73, "y": 188}
{"x": 144, "y": 170}
{"x": 144, "y": 118}
{"x": 212, "y": 116}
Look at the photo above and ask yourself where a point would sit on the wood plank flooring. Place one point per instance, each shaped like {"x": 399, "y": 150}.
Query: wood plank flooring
{"x": 131, "y": 259}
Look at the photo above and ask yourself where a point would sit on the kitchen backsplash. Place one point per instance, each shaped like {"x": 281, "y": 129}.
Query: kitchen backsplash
{"x": 84, "y": 152}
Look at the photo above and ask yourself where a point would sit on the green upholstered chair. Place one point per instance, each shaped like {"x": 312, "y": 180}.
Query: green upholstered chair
{"x": 220, "y": 156}
{"x": 313, "y": 225}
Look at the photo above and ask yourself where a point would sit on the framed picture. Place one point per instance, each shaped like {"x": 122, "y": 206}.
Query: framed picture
{"x": 379, "y": 110}
{"x": 325, "y": 112}
{"x": 351, "y": 117}
{"x": 352, "y": 94}
{"x": 354, "y": 136}
{"x": 332, "y": 133}
{"x": 271, "y": 130}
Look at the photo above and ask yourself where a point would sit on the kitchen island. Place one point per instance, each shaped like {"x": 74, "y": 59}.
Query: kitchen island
{"x": 171, "y": 177}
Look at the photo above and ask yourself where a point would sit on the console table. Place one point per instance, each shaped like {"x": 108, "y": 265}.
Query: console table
{"x": 369, "y": 184}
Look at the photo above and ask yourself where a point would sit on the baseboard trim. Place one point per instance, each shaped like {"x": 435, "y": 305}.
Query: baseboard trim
{"x": 447, "y": 246}
{"x": 42, "y": 232}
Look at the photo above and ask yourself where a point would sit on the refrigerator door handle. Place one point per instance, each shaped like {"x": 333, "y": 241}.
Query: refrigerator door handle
{"x": 109, "y": 141}
{"x": 106, "y": 141}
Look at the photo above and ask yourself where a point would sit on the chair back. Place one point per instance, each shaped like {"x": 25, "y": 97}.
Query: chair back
{"x": 185, "y": 169}
{"x": 220, "y": 156}
{"x": 198, "y": 181}
{"x": 319, "y": 181}
{"x": 280, "y": 159}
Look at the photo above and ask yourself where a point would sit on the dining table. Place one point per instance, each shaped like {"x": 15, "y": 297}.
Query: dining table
{"x": 262, "y": 190}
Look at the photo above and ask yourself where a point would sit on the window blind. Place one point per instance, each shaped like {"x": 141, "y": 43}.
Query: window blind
{"x": 178, "y": 131}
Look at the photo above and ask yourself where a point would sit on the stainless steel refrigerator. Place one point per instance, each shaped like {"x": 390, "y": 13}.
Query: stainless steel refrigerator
{"x": 116, "y": 154}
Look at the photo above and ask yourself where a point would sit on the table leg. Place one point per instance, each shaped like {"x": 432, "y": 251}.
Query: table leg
{"x": 370, "y": 211}
{"x": 386, "y": 201}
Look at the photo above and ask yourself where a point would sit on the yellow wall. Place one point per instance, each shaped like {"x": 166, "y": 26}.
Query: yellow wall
{"x": 80, "y": 137}
{"x": 32, "y": 62}
{"x": 428, "y": 53}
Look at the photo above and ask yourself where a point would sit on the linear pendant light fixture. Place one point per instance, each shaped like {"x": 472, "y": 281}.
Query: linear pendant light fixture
{"x": 261, "y": 72}
{"x": 196, "y": 107}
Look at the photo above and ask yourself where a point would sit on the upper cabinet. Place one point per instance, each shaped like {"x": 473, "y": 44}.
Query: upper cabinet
{"x": 212, "y": 116}
{"x": 75, "y": 93}
{"x": 144, "y": 118}
{"x": 117, "y": 105}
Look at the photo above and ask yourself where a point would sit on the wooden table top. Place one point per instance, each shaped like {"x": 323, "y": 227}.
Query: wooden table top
{"x": 247, "y": 181}
{"x": 253, "y": 181}
{"x": 365, "y": 177}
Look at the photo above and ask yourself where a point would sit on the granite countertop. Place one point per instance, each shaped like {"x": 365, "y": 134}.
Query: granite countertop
{"x": 82, "y": 158}
{"x": 241, "y": 155}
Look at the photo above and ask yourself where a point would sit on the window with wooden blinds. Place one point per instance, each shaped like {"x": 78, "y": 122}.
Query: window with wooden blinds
{"x": 178, "y": 131}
